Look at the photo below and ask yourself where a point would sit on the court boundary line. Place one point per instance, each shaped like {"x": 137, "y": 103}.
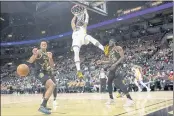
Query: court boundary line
{"x": 163, "y": 108}
{"x": 142, "y": 108}
{"x": 83, "y": 99}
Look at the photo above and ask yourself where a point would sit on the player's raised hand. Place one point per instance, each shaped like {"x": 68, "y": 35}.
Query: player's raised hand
{"x": 50, "y": 55}
{"x": 35, "y": 51}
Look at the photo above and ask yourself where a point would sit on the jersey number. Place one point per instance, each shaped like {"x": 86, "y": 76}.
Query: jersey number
{"x": 41, "y": 75}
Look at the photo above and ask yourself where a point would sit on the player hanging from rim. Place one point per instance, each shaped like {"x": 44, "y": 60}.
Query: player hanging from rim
{"x": 137, "y": 70}
{"x": 116, "y": 72}
{"x": 43, "y": 64}
{"x": 80, "y": 37}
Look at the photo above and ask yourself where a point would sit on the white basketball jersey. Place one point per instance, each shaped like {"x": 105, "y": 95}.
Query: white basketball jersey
{"x": 78, "y": 37}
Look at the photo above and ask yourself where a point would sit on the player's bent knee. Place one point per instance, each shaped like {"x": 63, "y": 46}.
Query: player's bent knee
{"x": 49, "y": 82}
{"x": 76, "y": 49}
{"x": 52, "y": 85}
{"x": 97, "y": 44}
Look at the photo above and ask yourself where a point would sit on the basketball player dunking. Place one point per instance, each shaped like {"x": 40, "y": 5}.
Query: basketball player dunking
{"x": 80, "y": 37}
{"x": 44, "y": 64}
{"x": 116, "y": 71}
{"x": 137, "y": 70}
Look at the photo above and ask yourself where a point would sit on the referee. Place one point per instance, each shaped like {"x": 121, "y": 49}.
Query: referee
{"x": 103, "y": 78}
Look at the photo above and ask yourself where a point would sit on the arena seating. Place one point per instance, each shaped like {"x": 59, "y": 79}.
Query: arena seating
{"x": 158, "y": 68}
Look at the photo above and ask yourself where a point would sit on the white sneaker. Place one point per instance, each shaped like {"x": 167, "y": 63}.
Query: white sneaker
{"x": 110, "y": 101}
{"x": 41, "y": 101}
{"x": 148, "y": 89}
{"x": 129, "y": 103}
{"x": 54, "y": 103}
{"x": 140, "y": 90}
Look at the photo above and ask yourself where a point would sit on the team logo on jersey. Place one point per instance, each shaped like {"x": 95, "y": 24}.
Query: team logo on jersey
{"x": 41, "y": 75}
{"x": 106, "y": 50}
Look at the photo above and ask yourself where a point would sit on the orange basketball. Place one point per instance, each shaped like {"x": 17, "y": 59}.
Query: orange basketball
{"x": 22, "y": 70}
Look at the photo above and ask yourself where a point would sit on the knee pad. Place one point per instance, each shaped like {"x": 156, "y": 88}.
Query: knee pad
{"x": 76, "y": 53}
{"x": 76, "y": 48}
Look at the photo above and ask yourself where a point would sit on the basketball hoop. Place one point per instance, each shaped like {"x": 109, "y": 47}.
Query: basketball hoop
{"x": 77, "y": 10}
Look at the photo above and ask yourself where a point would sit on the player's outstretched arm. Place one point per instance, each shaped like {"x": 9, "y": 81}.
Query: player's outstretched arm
{"x": 86, "y": 17}
{"x": 34, "y": 56}
{"x": 73, "y": 25}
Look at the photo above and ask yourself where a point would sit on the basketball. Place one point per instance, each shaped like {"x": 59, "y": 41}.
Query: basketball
{"x": 22, "y": 70}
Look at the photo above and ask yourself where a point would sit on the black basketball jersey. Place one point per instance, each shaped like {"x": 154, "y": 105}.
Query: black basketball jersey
{"x": 114, "y": 56}
{"x": 42, "y": 62}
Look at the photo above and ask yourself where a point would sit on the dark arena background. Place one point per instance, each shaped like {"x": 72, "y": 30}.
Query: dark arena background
{"x": 143, "y": 29}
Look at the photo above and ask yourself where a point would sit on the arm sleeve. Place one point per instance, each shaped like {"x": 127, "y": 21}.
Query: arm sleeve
{"x": 87, "y": 17}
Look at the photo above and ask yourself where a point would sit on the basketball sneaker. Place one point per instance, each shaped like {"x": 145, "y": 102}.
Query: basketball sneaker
{"x": 80, "y": 74}
{"x": 129, "y": 103}
{"x": 41, "y": 101}
{"x": 54, "y": 103}
{"x": 44, "y": 110}
{"x": 139, "y": 90}
{"x": 106, "y": 50}
{"x": 148, "y": 90}
{"x": 110, "y": 102}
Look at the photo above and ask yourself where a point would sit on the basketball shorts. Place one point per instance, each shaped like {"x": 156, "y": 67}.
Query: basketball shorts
{"x": 118, "y": 77}
{"x": 79, "y": 39}
{"x": 43, "y": 76}
{"x": 118, "y": 72}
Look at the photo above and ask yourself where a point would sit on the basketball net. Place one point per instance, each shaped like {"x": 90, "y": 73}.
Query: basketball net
{"x": 78, "y": 11}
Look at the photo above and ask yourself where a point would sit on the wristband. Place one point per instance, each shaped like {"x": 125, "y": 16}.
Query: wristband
{"x": 28, "y": 64}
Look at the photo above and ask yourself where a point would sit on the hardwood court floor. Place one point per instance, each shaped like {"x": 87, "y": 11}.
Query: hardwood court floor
{"x": 86, "y": 104}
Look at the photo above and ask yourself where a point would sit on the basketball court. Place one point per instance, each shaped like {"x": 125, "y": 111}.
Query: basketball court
{"x": 88, "y": 104}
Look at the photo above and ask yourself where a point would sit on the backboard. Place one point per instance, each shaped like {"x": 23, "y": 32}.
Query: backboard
{"x": 99, "y": 7}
